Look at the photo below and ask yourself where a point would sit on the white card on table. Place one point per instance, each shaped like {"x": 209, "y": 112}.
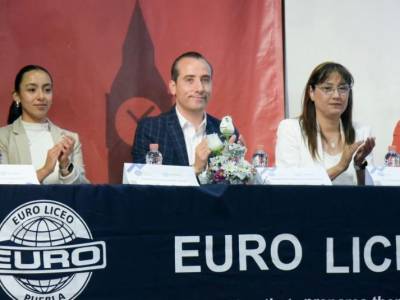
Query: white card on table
{"x": 293, "y": 176}
{"x": 382, "y": 176}
{"x": 159, "y": 175}
{"x": 18, "y": 174}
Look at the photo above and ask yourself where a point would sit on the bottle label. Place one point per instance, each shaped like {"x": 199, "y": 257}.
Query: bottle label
{"x": 260, "y": 160}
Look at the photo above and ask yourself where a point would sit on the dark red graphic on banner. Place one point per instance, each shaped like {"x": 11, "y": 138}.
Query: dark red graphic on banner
{"x": 138, "y": 91}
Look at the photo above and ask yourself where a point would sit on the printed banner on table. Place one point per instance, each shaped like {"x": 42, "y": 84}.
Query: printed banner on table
{"x": 214, "y": 242}
{"x": 111, "y": 61}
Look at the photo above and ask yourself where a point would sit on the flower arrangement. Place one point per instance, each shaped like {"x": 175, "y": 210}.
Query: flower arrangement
{"x": 227, "y": 163}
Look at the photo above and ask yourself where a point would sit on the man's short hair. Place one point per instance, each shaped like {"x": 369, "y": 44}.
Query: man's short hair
{"x": 192, "y": 54}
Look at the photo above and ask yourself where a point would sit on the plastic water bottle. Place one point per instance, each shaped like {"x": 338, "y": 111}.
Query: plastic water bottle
{"x": 397, "y": 158}
{"x": 260, "y": 157}
{"x": 392, "y": 158}
{"x": 154, "y": 157}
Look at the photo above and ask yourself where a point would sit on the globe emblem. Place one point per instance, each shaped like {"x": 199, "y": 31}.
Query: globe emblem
{"x": 48, "y": 252}
{"x": 43, "y": 232}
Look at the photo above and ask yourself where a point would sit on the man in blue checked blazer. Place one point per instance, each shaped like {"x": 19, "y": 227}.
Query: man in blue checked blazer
{"x": 180, "y": 133}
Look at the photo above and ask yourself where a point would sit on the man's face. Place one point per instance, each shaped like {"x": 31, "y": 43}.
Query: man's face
{"x": 192, "y": 89}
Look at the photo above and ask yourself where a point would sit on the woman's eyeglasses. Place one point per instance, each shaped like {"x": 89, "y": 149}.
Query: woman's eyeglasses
{"x": 328, "y": 90}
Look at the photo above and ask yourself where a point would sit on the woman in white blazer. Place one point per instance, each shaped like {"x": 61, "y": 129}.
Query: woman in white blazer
{"x": 325, "y": 134}
{"x": 31, "y": 138}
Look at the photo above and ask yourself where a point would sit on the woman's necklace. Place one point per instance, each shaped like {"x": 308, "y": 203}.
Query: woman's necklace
{"x": 332, "y": 143}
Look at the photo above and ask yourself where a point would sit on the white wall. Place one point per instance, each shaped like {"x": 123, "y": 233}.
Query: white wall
{"x": 364, "y": 36}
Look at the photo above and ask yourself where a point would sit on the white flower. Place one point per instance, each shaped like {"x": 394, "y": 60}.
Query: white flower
{"x": 214, "y": 142}
{"x": 226, "y": 126}
{"x": 227, "y": 165}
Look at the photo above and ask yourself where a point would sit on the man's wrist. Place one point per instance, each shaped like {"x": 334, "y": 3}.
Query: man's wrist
{"x": 199, "y": 169}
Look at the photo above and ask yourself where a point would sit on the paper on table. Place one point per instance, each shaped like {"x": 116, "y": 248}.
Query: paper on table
{"x": 382, "y": 176}
{"x": 18, "y": 174}
{"x": 159, "y": 175}
{"x": 293, "y": 176}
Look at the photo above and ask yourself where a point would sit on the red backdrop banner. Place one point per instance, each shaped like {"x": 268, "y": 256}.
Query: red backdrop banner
{"x": 110, "y": 61}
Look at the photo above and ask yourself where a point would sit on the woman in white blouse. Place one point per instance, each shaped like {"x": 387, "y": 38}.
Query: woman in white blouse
{"x": 325, "y": 134}
{"x": 31, "y": 138}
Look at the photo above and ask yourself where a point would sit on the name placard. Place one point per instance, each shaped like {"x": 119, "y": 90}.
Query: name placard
{"x": 159, "y": 175}
{"x": 18, "y": 174}
{"x": 293, "y": 176}
{"x": 382, "y": 176}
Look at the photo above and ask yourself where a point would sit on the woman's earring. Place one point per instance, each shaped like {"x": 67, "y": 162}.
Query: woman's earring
{"x": 17, "y": 104}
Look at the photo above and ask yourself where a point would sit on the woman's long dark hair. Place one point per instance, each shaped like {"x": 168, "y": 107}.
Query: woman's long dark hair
{"x": 15, "y": 110}
{"x": 308, "y": 118}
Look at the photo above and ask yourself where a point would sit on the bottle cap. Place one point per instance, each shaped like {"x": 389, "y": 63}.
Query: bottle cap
{"x": 154, "y": 147}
